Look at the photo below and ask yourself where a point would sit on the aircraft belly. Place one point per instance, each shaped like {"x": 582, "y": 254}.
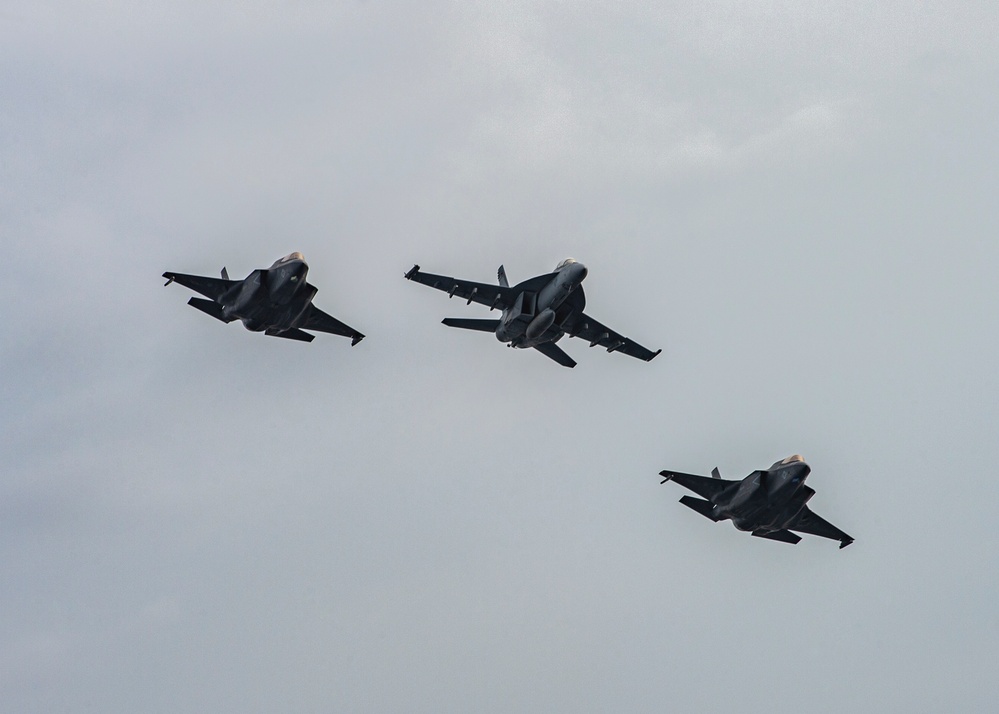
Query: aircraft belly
{"x": 514, "y": 333}
{"x": 551, "y": 335}
{"x": 511, "y": 331}
{"x": 258, "y": 317}
{"x": 553, "y": 294}
{"x": 750, "y": 516}
{"x": 540, "y": 324}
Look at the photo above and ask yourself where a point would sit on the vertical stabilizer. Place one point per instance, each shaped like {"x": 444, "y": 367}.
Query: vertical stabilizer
{"x": 715, "y": 473}
{"x": 225, "y": 273}
{"x": 501, "y": 276}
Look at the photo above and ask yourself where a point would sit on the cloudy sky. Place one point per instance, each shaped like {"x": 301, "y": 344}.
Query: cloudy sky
{"x": 795, "y": 200}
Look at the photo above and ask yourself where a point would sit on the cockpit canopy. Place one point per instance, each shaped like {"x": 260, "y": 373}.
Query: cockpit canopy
{"x": 792, "y": 459}
{"x": 292, "y": 256}
{"x": 567, "y": 261}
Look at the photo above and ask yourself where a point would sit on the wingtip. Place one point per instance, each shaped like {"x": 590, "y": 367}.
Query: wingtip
{"x": 667, "y": 476}
{"x": 355, "y": 339}
{"x": 845, "y": 542}
{"x": 412, "y": 271}
{"x": 658, "y": 352}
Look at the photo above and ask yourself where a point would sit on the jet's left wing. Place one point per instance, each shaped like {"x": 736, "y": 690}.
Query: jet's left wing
{"x": 807, "y": 522}
{"x": 213, "y": 288}
{"x": 701, "y": 485}
{"x": 492, "y": 296}
{"x": 318, "y": 320}
{"x": 593, "y": 332}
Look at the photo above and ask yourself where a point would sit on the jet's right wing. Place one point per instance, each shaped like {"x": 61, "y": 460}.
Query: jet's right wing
{"x": 701, "y": 485}
{"x": 320, "y": 321}
{"x": 213, "y": 288}
{"x": 808, "y": 522}
{"x": 492, "y": 296}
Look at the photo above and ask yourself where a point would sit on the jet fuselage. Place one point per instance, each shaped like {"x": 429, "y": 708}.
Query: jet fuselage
{"x": 272, "y": 299}
{"x": 770, "y": 504}
{"x": 536, "y": 316}
{"x": 765, "y": 500}
{"x": 276, "y": 301}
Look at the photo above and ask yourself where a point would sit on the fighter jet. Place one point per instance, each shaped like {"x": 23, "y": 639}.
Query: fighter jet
{"x": 276, "y": 301}
{"x": 768, "y": 503}
{"x": 536, "y": 313}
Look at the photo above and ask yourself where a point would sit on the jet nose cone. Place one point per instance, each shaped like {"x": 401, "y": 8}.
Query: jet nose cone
{"x": 580, "y": 271}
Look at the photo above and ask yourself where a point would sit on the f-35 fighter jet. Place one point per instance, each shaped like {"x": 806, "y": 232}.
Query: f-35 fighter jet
{"x": 276, "y": 301}
{"x": 536, "y": 313}
{"x": 768, "y": 503}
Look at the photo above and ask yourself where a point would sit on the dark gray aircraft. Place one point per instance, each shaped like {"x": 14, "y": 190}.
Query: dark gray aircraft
{"x": 536, "y": 312}
{"x": 276, "y": 301}
{"x": 769, "y": 503}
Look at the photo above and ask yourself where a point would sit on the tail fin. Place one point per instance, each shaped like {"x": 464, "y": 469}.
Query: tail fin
{"x": 501, "y": 276}
{"x": 715, "y": 473}
{"x": 225, "y": 273}
{"x": 468, "y": 324}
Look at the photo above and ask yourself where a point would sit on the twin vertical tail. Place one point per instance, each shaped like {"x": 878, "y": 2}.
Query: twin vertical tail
{"x": 501, "y": 276}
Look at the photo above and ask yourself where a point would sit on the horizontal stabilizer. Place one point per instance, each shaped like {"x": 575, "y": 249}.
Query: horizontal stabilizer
{"x": 470, "y": 324}
{"x": 553, "y": 351}
{"x": 705, "y": 508}
{"x": 784, "y": 536}
{"x": 210, "y": 307}
{"x": 292, "y": 334}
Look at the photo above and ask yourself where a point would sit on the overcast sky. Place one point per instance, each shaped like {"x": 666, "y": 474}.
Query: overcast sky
{"x": 797, "y": 201}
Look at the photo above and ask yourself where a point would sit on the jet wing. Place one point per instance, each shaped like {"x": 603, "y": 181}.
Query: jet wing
{"x": 701, "y": 485}
{"x": 492, "y": 296}
{"x": 595, "y": 333}
{"x": 807, "y": 522}
{"x": 209, "y": 287}
{"x": 318, "y": 320}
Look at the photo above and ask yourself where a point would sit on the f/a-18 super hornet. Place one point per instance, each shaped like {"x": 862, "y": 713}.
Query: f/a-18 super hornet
{"x": 768, "y": 503}
{"x": 536, "y": 313}
{"x": 276, "y": 301}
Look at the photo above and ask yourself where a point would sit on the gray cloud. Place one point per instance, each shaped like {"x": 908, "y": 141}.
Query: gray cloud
{"x": 795, "y": 201}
